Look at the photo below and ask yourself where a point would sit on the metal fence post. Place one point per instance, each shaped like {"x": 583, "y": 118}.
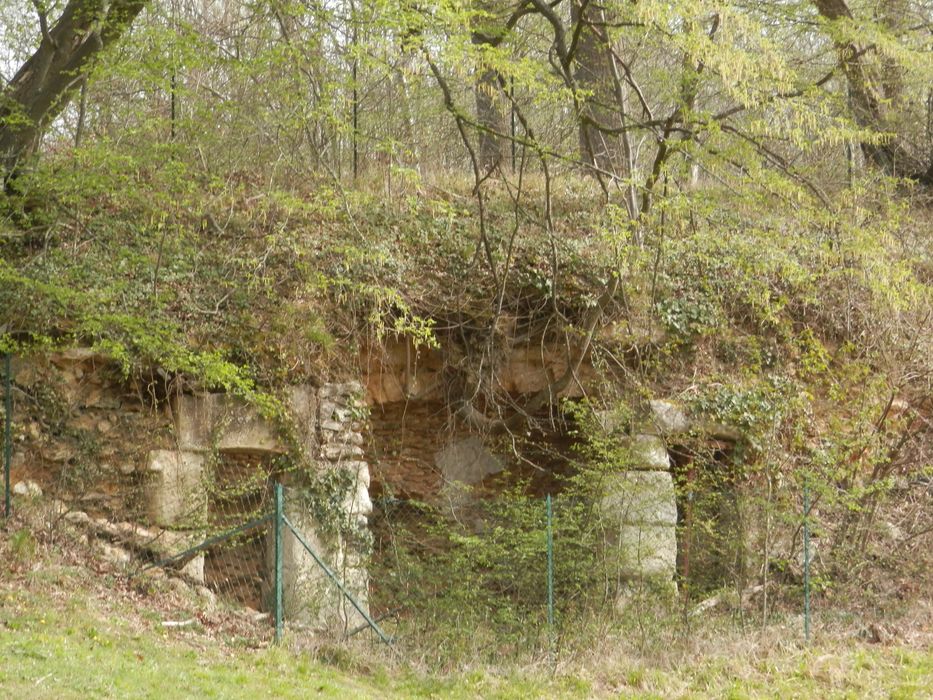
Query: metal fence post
{"x": 7, "y": 431}
{"x": 806, "y": 562}
{"x": 279, "y": 527}
{"x": 550, "y": 569}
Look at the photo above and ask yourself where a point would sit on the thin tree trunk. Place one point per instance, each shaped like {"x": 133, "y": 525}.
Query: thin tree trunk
{"x": 47, "y": 81}
{"x": 488, "y": 112}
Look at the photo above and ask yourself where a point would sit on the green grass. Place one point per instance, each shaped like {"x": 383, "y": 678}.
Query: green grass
{"x": 65, "y": 633}
{"x": 58, "y": 640}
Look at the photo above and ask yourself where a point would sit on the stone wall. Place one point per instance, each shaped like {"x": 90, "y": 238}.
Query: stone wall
{"x": 83, "y": 432}
{"x": 171, "y": 469}
{"x": 410, "y": 447}
{"x": 326, "y": 423}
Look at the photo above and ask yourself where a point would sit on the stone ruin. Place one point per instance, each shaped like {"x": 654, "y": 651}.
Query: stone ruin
{"x": 137, "y": 472}
{"x": 409, "y": 446}
{"x": 420, "y": 452}
{"x": 327, "y": 427}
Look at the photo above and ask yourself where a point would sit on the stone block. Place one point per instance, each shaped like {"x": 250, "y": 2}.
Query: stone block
{"x": 669, "y": 418}
{"x": 176, "y": 494}
{"x": 114, "y": 554}
{"x": 29, "y": 489}
{"x": 645, "y": 551}
{"x": 194, "y": 569}
{"x": 326, "y": 409}
{"x": 641, "y": 497}
{"x": 360, "y": 471}
{"x": 649, "y": 452}
{"x": 351, "y": 388}
{"x": 349, "y": 437}
{"x": 467, "y": 461}
{"x": 358, "y": 502}
{"x": 204, "y": 421}
{"x": 302, "y": 405}
{"x": 337, "y": 452}
{"x": 341, "y": 414}
{"x": 208, "y": 420}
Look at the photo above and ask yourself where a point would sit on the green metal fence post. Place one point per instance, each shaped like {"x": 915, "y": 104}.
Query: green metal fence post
{"x": 279, "y": 528}
{"x": 7, "y": 431}
{"x": 806, "y": 562}
{"x": 550, "y": 569}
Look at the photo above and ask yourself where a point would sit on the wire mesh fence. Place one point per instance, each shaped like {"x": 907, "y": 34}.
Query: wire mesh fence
{"x": 268, "y": 562}
{"x": 7, "y": 431}
{"x": 510, "y": 574}
{"x": 519, "y": 574}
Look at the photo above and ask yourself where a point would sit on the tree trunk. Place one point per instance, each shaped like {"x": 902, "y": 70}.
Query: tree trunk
{"x": 489, "y": 114}
{"x": 891, "y": 156}
{"x": 45, "y": 83}
{"x": 592, "y": 74}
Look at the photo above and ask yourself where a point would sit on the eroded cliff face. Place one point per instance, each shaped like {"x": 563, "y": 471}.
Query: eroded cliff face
{"x": 422, "y": 450}
{"x": 420, "y": 444}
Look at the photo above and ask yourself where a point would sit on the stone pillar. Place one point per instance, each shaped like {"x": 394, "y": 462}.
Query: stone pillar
{"x": 327, "y": 424}
{"x": 175, "y": 497}
{"x": 310, "y": 596}
{"x": 640, "y": 515}
{"x": 341, "y": 414}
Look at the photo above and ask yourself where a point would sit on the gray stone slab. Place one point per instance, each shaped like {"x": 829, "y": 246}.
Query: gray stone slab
{"x": 175, "y": 493}
{"x": 669, "y": 417}
{"x": 205, "y": 421}
{"x": 649, "y": 452}
{"x": 208, "y": 421}
{"x": 640, "y": 497}
{"x": 645, "y": 551}
{"x": 467, "y": 462}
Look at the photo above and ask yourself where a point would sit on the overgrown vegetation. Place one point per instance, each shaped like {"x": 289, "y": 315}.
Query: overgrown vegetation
{"x": 723, "y": 204}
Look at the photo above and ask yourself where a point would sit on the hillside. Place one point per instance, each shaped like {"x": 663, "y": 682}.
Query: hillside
{"x": 575, "y": 348}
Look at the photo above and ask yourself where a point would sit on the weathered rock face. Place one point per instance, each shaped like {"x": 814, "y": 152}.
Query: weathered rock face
{"x": 418, "y": 447}
{"x": 401, "y": 372}
{"x": 405, "y": 437}
{"x": 422, "y": 452}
